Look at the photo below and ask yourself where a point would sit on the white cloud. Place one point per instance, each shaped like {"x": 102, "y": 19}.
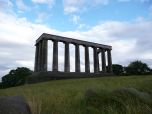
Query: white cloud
{"x": 48, "y": 2}
{"x": 71, "y": 9}
{"x": 6, "y": 5}
{"x": 21, "y": 5}
{"x": 75, "y": 19}
{"x": 17, "y": 38}
{"x": 77, "y": 6}
{"x": 83, "y": 26}
{"x": 74, "y": 6}
{"x": 41, "y": 17}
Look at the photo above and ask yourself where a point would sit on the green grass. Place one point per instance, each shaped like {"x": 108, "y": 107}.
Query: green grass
{"x": 106, "y": 95}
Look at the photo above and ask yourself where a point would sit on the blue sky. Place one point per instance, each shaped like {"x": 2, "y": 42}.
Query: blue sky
{"x": 72, "y": 14}
{"x": 124, "y": 24}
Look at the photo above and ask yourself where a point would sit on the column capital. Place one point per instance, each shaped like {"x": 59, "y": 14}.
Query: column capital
{"x": 86, "y": 46}
{"x": 66, "y": 42}
{"x": 55, "y": 40}
{"x": 103, "y": 50}
{"x": 76, "y": 44}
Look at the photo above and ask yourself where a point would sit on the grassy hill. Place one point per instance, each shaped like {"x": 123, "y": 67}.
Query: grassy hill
{"x": 106, "y": 95}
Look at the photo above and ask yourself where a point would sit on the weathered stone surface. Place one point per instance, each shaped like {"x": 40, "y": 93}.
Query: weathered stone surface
{"x": 55, "y": 56}
{"x": 77, "y": 58}
{"x": 67, "y": 58}
{"x": 103, "y": 61}
{"x": 109, "y": 61}
{"x": 41, "y": 61}
{"x": 87, "y": 60}
{"x": 96, "y": 60}
{"x": 13, "y": 105}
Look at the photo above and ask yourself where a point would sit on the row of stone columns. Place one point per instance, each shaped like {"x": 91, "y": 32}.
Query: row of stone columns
{"x": 41, "y": 55}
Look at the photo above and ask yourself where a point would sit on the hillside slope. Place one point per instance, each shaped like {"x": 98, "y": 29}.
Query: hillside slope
{"x": 88, "y": 96}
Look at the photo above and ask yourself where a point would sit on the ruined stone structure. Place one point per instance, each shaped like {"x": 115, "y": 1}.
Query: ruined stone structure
{"x": 41, "y": 57}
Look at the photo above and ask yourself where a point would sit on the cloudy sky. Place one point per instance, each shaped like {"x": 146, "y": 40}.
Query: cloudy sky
{"x": 126, "y": 25}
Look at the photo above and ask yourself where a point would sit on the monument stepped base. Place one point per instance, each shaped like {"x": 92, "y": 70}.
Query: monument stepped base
{"x": 46, "y": 76}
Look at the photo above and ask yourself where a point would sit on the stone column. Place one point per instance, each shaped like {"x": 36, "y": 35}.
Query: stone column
{"x": 109, "y": 61}
{"x": 40, "y": 56}
{"x": 77, "y": 58}
{"x": 55, "y": 56}
{"x": 87, "y": 60}
{"x": 44, "y": 54}
{"x": 103, "y": 58}
{"x": 36, "y": 58}
{"x": 96, "y": 68}
{"x": 67, "y": 58}
{"x": 98, "y": 62}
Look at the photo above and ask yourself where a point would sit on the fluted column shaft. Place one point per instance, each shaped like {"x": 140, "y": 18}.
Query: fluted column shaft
{"x": 103, "y": 58}
{"x": 98, "y": 62}
{"x": 55, "y": 56}
{"x": 109, "y": 61}
{"x": 96, "y": 59}
{"x": 77, "y": 58}
{"x": 36, "y": 58}
{"x": 39, "y": 56}
{"x": 87, "y": 60}
{"x": 67, "y": 58}
{"x": 44, "y": 54}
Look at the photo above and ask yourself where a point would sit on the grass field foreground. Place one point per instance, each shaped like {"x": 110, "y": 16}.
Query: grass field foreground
{"x": 106, "y": 95}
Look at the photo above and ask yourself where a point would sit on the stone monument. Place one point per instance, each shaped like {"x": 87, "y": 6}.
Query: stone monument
{"x": 41, "y": 72}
